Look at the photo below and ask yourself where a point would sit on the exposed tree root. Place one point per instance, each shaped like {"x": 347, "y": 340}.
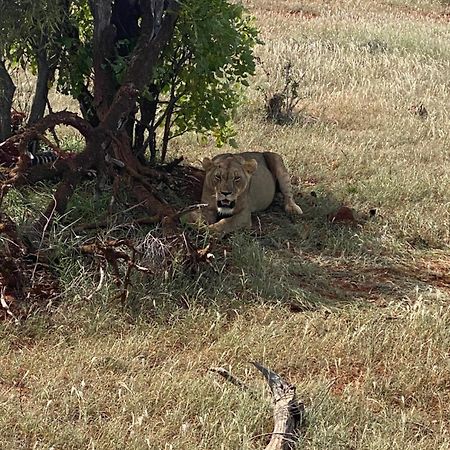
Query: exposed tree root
{"x": 16, "y": 147}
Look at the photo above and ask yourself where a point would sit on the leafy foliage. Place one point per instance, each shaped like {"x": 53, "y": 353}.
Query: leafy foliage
{"x": 210, "y": 57}
{"x": 27, "y": 26}
{"x": 198, "y": 84}
{"x": 76, "y": 57}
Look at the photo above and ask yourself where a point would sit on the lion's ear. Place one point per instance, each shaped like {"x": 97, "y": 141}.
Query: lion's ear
{"x": 207, "y": 164}
{"x": 250, "y": 165}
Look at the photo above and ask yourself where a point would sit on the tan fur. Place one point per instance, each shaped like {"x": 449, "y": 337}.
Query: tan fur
{"x": 237, "y": 185}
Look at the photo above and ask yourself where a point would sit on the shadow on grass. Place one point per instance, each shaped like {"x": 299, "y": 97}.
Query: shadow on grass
{"x": 336, "y": 263}
{"x": 301, "y": 265}
{"x": 297, "y": 263}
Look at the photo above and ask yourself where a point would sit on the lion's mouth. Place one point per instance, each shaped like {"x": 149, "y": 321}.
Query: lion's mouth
{"x": 225, "y": 208}
{"x": 226, "y": 204}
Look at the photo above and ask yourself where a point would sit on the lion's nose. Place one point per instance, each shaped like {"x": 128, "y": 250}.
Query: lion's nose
{"x": 225, "y": 193}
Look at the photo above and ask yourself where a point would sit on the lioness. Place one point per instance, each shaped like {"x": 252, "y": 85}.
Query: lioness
{"x": 238, "y": 184}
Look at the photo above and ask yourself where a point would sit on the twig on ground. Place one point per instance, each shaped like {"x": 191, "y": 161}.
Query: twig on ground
{"x": 99, "y": 285}
{"x": 229, "y": 377}
{"x": 5, "y": 305}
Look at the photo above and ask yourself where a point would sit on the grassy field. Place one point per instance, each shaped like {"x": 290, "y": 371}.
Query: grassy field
{"x": 357, "y": 318}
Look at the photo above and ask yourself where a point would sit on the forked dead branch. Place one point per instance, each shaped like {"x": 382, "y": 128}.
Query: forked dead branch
{"x": 288, "y": 412}
{"x": 151, "y": 256}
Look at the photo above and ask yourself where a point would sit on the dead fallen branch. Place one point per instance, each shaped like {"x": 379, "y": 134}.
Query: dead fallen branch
{"x": 149, "y": 220}
{"x": 288, "y": 413}
{"x": 113, "y": 252}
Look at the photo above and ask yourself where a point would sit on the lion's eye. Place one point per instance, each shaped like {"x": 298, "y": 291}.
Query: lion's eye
{"x": 237, "y": 178}
{"x": 217, "y": 177}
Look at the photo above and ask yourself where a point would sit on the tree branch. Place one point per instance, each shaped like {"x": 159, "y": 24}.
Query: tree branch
{"x": 44, "y": 73}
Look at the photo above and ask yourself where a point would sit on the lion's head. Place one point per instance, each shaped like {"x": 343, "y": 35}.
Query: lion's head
{"x": 228, "y": 177}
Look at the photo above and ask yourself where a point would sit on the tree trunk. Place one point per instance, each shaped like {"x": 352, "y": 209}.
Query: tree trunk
{"x": 158, "y": 23}
{"x": 7, "y": 89}
{"x": 103, "y": 49}
{"x": 148, "y": 113}
{"x": 166, "y": 135}
{"x": 41, "y": 90}
{"x": 86, "y": 102}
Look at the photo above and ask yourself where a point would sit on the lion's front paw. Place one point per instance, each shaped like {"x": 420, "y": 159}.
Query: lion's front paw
{"x": 217, "y": 228}
{"x": 293, "y": 208}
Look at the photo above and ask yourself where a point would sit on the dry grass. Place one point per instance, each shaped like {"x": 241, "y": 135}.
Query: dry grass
{"x": 370, "y": 378}
{"x": 358, "y": 318}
